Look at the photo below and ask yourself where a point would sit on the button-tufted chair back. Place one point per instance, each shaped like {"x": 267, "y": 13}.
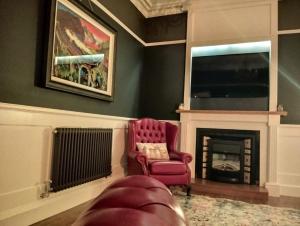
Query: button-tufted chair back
{"x": 149, "y": 130}
{"x": 172, "y": 171}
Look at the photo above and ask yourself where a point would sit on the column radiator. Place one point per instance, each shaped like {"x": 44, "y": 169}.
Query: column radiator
{"x": 80, "y": 155}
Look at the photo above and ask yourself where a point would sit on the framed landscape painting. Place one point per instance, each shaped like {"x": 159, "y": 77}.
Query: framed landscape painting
{"x": 81, "y": 52}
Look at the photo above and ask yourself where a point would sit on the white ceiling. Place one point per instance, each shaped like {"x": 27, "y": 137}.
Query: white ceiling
{"x": 152, "y": 8}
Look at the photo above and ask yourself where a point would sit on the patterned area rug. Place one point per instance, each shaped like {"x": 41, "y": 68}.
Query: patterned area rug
{"x": 206, "y": 211}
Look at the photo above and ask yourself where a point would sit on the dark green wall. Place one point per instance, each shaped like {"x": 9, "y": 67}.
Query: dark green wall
{"x": 289, "y": 77}
{"x": 288, "y": 14}
{"x": 166, "y": 28}
{"x": 163, "y": 81}
{"x": 22, "y": 54}
{"x": 22, "y": 41}
{"x": 127, "y": 13}
{"x": 288, "y": 61}
{"x": 164, "y": 66}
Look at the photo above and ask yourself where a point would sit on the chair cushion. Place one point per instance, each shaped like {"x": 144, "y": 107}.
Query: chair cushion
{"x": 167, "y": 167}
{"x": 154, "y": 150}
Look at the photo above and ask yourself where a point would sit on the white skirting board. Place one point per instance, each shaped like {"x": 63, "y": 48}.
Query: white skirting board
{"x": 25, "y": 148}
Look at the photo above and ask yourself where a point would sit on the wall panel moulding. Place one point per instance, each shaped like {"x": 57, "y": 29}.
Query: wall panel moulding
{"x": 153, "y": 8}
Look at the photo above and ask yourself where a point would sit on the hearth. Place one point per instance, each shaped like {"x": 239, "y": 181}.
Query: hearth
{"x": 228, "y": 155}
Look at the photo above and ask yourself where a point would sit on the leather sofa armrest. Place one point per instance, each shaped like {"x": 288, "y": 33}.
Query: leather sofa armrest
{"x": 182, "y": 156}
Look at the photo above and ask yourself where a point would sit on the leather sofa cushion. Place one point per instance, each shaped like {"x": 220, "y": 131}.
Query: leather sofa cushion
{"x": 121, "y": 217}
{"x": 138, "y": 181}
{"x": 167, "y": 167}
{"x": 133, "y": 201}
{"x": 132, "y": 197}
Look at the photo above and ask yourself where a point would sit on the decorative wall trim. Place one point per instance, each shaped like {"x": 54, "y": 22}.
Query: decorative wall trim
{"x": 287, "y": 32}
{"x": 217, "y": 5}
{"x": 281, "y": 113}
{"x": 52, "y": 111}
{"x": 126, "y": 28}
{"x": 109, "y": 13}
{"x": 26, "y": 108}
{"x": 289, "y": 126}
{"x": 153, "y": 9}
{"x": 166, "y": 43}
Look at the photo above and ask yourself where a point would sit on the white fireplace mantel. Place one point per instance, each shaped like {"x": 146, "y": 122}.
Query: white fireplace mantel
{"x": 229, "y": 22}
{"x": 266, "y": 124}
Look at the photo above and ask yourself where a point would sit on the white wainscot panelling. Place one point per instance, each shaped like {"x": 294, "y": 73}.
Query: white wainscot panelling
{"x": 236, "y": 23}
{"x": 25, "y": 150}
{"x": 289, "y": 160}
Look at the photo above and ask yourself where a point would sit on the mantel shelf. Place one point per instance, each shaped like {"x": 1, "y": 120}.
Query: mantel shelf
{"x": 280, "y": 113}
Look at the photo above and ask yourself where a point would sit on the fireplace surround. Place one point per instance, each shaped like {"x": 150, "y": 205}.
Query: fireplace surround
{"x": 266, "y": 122}
{"x": 243, "y": 28}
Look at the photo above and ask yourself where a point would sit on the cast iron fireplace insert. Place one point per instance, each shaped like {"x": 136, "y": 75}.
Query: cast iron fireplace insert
{"x": 230, "y": 156}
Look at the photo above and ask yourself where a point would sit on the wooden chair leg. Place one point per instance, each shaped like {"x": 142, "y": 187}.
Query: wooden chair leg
{"x": 188, "y": 190}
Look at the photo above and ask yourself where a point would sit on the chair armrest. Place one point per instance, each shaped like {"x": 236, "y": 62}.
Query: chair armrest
{"x": 140, "y": 158}
{"x": 182, "y": 156}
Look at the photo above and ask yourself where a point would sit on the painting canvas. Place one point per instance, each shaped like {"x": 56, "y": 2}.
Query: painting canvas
{"x": 82, "y": 57}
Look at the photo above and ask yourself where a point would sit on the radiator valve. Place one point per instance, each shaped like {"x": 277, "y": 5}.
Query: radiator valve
{"x": 47, "y": 190}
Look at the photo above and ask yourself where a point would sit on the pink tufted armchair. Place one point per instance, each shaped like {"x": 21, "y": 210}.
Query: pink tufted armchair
{"x": 174, "y": 171}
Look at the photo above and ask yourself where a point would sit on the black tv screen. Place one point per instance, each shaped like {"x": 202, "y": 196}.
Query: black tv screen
{"x": 237, "y": 76}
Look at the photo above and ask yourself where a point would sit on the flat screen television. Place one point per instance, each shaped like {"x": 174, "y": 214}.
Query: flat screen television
{"x": 230, "y": 82}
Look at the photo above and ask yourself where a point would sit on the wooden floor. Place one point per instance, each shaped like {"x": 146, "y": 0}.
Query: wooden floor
{"x": 242, "y": 192}
{"x": 246, "y": 193}
{"x": 65, "y": 218}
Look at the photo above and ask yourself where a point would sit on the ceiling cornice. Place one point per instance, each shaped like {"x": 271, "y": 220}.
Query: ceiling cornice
{"x": 206, "y": 5}
{"x": 150, "y": 8}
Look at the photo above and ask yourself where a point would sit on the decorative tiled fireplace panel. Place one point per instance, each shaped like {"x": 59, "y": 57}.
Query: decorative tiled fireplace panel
{"x": 228, "y": 155}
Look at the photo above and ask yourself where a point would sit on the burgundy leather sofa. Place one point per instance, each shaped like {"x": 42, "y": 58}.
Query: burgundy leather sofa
{"x": 170, "y": 172}
{"x": 133, "y": 201}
